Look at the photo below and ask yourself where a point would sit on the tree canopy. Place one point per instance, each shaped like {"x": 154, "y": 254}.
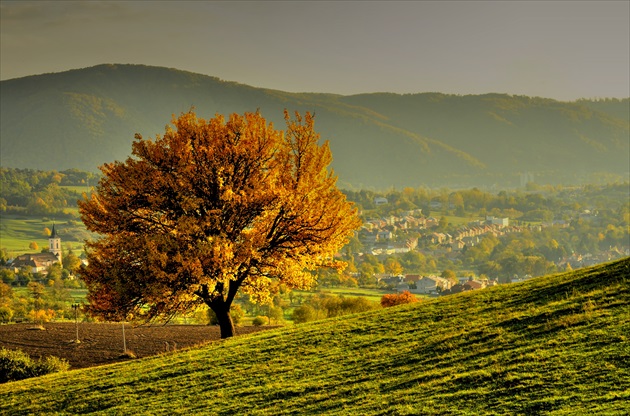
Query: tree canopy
{"x": 211, "y": 208}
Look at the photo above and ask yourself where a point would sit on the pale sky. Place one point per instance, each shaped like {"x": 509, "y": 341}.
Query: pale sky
{"x": 557, "y": 49}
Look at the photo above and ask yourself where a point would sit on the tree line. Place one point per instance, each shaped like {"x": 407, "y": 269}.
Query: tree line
{"x": 534, "y": 203}
{"x": 35, "y": 192}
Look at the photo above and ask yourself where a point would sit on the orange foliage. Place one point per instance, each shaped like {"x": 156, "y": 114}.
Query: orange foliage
{"x": 41, "y": 315}
{"x": 211, "y": 208}
{"x": 398, "y": 299}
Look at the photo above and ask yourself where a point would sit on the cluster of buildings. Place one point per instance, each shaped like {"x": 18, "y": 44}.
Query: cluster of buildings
{"x": 396, "y": 234}
{"x": 382, "y": 236}
{"x": 39, "y": 262}
{"x": 472, "y": 234}
{"x": 577, "y": 261}
{"x": 435, "y": 285}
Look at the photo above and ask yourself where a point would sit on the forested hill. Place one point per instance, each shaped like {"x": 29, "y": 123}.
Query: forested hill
{"x": 86, "y": 117}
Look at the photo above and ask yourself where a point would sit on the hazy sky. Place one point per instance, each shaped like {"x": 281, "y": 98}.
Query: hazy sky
{"x": 557, "y": 49}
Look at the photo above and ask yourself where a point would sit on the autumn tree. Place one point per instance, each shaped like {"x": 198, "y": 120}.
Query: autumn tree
{"x": 393, "y": 267}
{"x": 209, "y": 209}
{"x": 449, "y": 275}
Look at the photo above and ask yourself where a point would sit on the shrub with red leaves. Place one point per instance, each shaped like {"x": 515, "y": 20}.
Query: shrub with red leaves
{"x": 398, "y": 299}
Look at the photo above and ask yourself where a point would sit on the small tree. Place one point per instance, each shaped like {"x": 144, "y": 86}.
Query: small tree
{"x": 6, "y": 313}
{"x": 393, "y": 267}
{"x": 24, "y": 276}
{"x": 70, "y": 261}
{"x": 4, "y": 256}
{"x": 6, "y": 293}
{"x": 33, "y": 245}
{"x": 449, "y": 275}
{"x": 275, "y": 314}
{"x": 210, "y": 209}
{"x": 7, "y": 276}
{"x": 259, "y": 321}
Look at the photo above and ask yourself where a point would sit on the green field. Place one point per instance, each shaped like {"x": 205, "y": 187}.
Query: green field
{"x": 17, "y": 232}
{"x": 78, "y": 189}
{"x": 373, "y": 295}
{"x": 555, "y": 345}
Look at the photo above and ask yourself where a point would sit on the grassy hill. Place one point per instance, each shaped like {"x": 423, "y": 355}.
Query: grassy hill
{"x": 553, "y": 345}
{"x": 19, "y": 231}
{"x": 86, "y": 117}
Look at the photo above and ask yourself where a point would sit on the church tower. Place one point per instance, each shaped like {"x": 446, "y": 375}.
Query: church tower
{"x": 54, "y": 244}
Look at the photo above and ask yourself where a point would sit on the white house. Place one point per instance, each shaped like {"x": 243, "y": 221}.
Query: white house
{"x": 430, "y": 284}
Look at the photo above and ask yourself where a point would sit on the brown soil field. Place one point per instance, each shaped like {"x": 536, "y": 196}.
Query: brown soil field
{"x": 102, "y": 343}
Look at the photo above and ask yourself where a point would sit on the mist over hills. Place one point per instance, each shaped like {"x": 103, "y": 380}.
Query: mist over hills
{"x": 83, "y": 118}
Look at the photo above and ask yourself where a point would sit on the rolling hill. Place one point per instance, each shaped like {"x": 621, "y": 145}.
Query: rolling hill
{"x": 552, "y": 345}
{"x": 83, "y": 118}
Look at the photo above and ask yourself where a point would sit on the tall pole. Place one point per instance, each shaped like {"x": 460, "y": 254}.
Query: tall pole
{"x": 124, "y": 340}
{"x": 75, "y": 306}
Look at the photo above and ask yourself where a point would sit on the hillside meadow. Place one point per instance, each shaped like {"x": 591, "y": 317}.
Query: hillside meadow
{"x": 18, "y": 231}
{"x": 554, "y": 345}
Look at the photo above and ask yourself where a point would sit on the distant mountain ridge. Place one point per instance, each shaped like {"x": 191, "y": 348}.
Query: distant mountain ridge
{"x": 85, "y": 117}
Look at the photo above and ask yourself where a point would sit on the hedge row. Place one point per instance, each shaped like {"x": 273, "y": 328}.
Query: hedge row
{"x": 17, "y": 365}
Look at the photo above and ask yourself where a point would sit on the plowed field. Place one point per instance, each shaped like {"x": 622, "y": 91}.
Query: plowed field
{"x": 103, "y": 343}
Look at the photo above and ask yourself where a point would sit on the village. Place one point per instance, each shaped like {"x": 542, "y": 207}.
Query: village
{"x": 392, "y": 236}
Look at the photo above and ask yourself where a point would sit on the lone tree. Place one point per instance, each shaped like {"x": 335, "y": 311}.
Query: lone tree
{"x": 211, "y": 208}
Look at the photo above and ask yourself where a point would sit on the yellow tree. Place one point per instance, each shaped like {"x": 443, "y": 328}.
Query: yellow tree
{"x": 393, "y": 267}
{"x": 209, "y": 209}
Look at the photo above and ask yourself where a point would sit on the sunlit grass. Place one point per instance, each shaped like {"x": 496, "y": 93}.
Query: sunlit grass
{"x": 17, "y": 232}
{"x": 78, "y": 189}
{"x": 552, "y": 345}
{"x": 373, "y": 295}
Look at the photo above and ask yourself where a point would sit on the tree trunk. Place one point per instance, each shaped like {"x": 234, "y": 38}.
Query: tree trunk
{"x": 222, "y": 311}
{"x": 221, "y": 306}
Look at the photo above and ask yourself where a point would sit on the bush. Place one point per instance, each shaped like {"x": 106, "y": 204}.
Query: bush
{"x": 275, "y": 314}
{"x": 327, "y": 306}
{"x": 357, "y": 304}
{"x": 304, "y": 313}
{"x": 5, "y": 314}
{"x": 41, "y": 315}
{"x": 400, "y": 299}
{"x": 17, "y": 365}
{"x": 237, "y": 313}
{"x": 259, "y": 321}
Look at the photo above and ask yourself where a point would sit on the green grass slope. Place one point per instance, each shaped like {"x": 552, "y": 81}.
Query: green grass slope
{"x": 17, "y": 232}
{"x": 553, "y": 345}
